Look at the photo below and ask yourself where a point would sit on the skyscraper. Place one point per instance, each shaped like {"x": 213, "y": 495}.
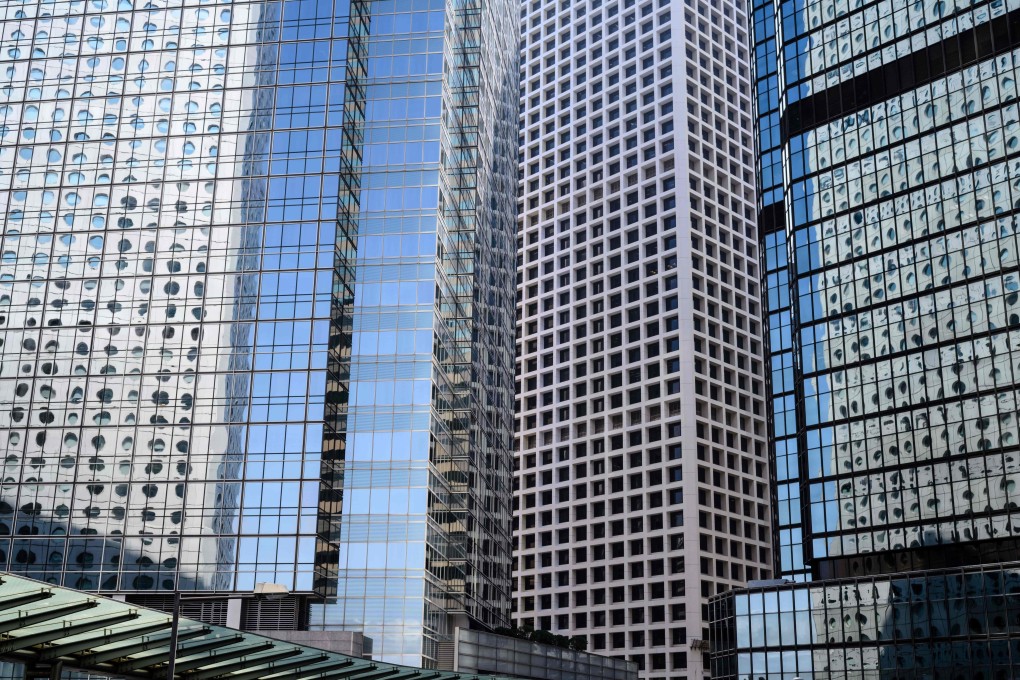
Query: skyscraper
{"x": 887, "y": 137}
{"x": 641, "y": 487}
{"x": 149, "y": 445}
{"x": 889, "y": 254}
{"x": 425, "y": 336}
{"x": 256, "y": 275}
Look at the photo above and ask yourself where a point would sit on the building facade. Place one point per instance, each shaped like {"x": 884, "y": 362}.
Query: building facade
{"x": 423, "y": 360}
{"x": 256, "y": 284}
{"x": 890, "y": 257}
{"x": 641, "y": 484}
{"x": 481, "y": 652}
{"x": 887, "y": 138}
{"x": 953, "y": 623}
{"x": 166, "y": 299}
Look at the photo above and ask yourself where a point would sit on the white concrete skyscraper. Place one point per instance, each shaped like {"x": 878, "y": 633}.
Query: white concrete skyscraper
{"x": 643, "y": 484}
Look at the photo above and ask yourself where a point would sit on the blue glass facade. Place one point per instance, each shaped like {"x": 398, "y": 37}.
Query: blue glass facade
{"x": 256, "y": 322}
{"x": 890, "y": 257}
{"x": 776, "y": 301}
{"x": 169, "y": 218}
{"x": 888, "y": 145}
{"x": 423, "y": 355}
{"x": 961, "y": 624}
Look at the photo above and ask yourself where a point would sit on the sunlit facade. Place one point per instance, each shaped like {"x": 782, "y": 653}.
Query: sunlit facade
{"x": 255, "y": 306}
{"x": 888, "y": 141}
{"x": 960, "y": 624}
{"x": 155, "y": 282}
{"x": 641, "y": 488}
{"x": 425, "y": 336}
{"x": 890, "y": 253}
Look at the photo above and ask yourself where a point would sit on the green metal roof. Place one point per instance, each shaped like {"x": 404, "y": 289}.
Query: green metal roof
{"x": 44, "y": 626}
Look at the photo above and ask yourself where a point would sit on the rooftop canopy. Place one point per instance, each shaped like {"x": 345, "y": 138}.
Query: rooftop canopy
{"x": 48, "y": 628}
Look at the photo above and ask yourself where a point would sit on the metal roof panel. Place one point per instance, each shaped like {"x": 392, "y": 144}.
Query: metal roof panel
{"x": 46, "y": 625}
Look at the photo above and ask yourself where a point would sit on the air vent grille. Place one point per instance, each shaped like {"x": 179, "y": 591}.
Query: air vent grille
{"x": 271, "y": 614}
{"x": 212, "y": 611}
{"x": 444, "y": 656}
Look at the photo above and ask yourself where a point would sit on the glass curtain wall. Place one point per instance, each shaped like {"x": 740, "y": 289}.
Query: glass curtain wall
{"x": 169, "y": 177}
{"x": 896, "y": 362}
{"x": 890, "y": 257}
{"x": 233, "y": 239}
{"x": 420, "y": 416}
{"x": 961, "y": 624}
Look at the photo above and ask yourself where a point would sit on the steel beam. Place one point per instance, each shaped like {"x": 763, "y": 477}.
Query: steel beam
{"x": 260, "y": 673}
{"x": 162, "y": 654}
{"x": 25, "y": 598}
{"x": 64, "y": 631}
{"x": 258, "y": 662}
{"x": 192, "y": 662}
{"x": 314, "y": 673}
{"x": 127, "y": 633}
{"x": 30, "y": 619}
{"x": 378, "y": 675}
{"x": 94, "y": 658}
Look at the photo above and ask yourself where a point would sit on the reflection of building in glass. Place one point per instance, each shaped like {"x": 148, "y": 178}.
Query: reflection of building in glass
{"x": 958, "y": 623}
{"x": 481, "y": 652}
{"x": 134, "y": 194}
{"x": 889, "y": 137}
{"x": 908, "y": 320}
{"x": 194, "y": 381}
{"x": 891, "y": 253}
{"x": 421, "y": 431}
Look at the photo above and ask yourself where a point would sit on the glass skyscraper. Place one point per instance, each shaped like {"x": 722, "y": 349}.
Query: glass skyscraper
{"x": 255, "y": 306}
{"x": 424, "y": 339}
{"x": 890, "y": 257}
{"x": 888, "y": 142}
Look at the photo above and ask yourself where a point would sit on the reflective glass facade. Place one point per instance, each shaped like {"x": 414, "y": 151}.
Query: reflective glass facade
{"x": 169, "y": 209}
{"x": 257, "y": 272}
{"x": 420, "y": 431}
{"x": 481, "y": 652}
{"x": 888, "y": 157}
{"x": 961, "y": 624}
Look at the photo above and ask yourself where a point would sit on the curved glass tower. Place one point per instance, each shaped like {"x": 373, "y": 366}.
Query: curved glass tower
{"x": 891, "y": 257}
{"x": 135, "y": 187}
